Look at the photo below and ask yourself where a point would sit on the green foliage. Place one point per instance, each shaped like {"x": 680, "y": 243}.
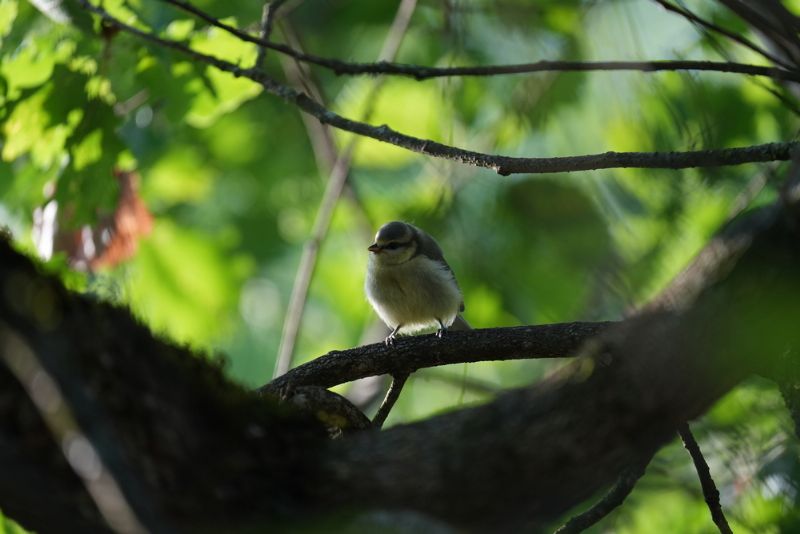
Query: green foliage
{"x": 233, "y": 182}
{"x": 8, "y": 526}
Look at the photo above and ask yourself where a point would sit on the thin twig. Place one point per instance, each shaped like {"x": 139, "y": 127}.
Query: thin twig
{"x": 503, "y": 165}
{"x": 398, "y": 381}
{"x": 774, "y": 22}
{"x": 320, "y": 135}
{"x": 692, "y": 17}
{"x": 330, "y": 198}
{"x": 267, "y": 20}
{"x": 706, "y": 482}
{"x": 790, "y": 393}
{"x": 708, "y": 29}
{"x": 308, "y": 262}
{"x": 754, "y": 186}
{"x": 616, "y": 495}
{"x": 475, "y": 385}
{"x": 420, "y": 72}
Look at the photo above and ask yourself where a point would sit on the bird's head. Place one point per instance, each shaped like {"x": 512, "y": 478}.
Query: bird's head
{"x": 396, "y": 242}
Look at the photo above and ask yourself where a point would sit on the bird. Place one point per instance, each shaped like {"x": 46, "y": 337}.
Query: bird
{"x": 409, "y": 283}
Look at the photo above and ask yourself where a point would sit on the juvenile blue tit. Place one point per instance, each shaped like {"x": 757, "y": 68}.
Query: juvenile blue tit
{"x": 409, "y": 282}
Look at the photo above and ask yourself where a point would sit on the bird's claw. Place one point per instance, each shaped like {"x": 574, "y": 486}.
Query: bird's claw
{"x": 442, "y": 329}
{"x": 389, "y": 341}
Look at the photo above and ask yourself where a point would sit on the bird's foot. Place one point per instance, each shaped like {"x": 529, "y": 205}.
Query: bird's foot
{"x": 389, "y": 341}
{"x": 442, "y": 330}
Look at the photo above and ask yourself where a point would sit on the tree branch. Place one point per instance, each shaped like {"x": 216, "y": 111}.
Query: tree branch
{"x": 775, "y": 23}
{"x": 330, "y": 199}
{"x": 615, "y": 497}
{"x": 420, "y": 72}
{"x": 710, "y": 492}
{"x": 516, "y": 462}
{"x": 51, "y": 384}
{"x": 711, "y": 30}
{"x": 398, "y": 381}
{"x": 555, "y": 444}
{"x": 267, "y": 20}
{"x": 337, "y": 413}
{"x": 503, "y": 165}
{"x": 166, "y": 423}
{"x": 691, "y": 17}
{"x": 411, "y": 353}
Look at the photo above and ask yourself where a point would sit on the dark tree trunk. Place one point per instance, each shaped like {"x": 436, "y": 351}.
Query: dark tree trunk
{"x": 187, "y": 448}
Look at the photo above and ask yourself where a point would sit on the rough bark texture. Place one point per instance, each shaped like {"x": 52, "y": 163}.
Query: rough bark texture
{"x": 180, "y": 438}
{"x": 188, "y": 448}
{"x": 537, "y": 451}
{"x": 412, "y": 353}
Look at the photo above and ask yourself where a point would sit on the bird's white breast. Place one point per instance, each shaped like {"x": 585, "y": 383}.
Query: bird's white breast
{"x": 414, "y": 294}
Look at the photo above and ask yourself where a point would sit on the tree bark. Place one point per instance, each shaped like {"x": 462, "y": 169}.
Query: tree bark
{"x": 533, "y": 453}
{"x": 188, "y": 448}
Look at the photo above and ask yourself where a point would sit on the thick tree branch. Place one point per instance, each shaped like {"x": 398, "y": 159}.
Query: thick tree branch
{"x": 50, "y": 382}
{"x": 172, "y": 430}
{"x": 337, "y": 413}
{"x": 503, "y": 165}
{"x": 68, "y": 508}
{"x": 516, "y": 462}
{"x": 411, "y": 353}
{"x": 573, "y": 434}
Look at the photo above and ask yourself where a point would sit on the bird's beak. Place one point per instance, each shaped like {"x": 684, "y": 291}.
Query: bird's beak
{"x": 374, "y": 248}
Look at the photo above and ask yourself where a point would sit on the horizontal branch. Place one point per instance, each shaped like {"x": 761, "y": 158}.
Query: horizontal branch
{"x": 421, "y": 72}
{"x": 512, "y": 464}
{"x": 533, "y": 453}
{"x": 411, "y": 353}
{"x": 503, "y": 165}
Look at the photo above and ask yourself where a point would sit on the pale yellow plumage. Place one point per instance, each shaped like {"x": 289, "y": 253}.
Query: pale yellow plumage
{"x": 409, "y": 282}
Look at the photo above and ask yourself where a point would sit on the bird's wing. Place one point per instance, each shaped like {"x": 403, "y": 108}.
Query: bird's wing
{"x": 430, "y": 248}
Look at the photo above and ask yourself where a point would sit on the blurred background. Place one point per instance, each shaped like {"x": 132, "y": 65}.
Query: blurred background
{"x": 188, "y": 195}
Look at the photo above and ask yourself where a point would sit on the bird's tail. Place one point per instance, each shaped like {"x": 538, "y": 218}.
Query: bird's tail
{"x": 460, "y": 324}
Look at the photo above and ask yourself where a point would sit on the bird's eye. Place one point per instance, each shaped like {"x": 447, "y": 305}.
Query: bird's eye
{"x": 392, "y": 246}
